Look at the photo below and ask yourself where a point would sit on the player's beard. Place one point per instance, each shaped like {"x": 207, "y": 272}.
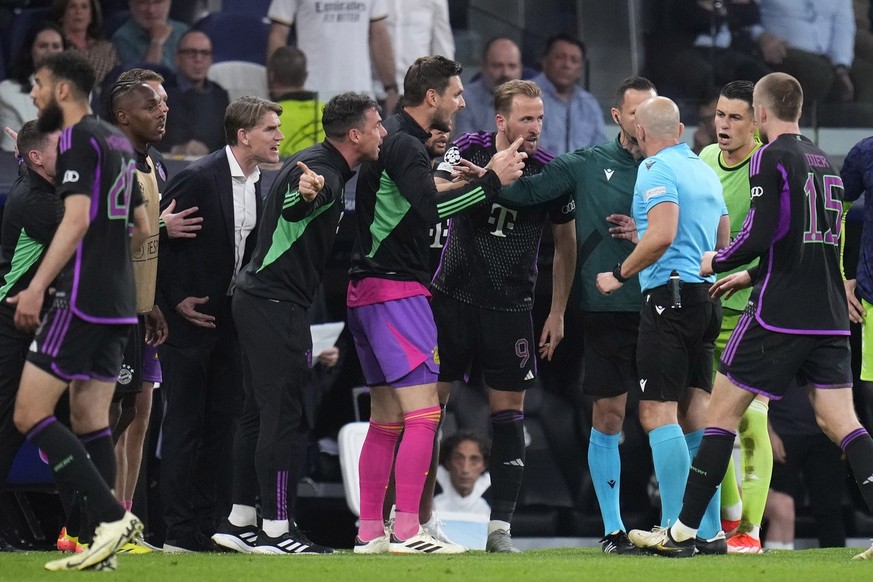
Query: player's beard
{"x": 51, "y": 118}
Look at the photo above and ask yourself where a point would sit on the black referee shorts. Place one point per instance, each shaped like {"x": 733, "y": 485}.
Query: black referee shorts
{"x": 610, "y": 354}
{"x": 675, "y": 345}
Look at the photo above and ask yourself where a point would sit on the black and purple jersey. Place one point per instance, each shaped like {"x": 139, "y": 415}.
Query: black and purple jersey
{"x": 793, "y": 225}
{"x": 490, "y": 256}
{"x": 96, "y": 160}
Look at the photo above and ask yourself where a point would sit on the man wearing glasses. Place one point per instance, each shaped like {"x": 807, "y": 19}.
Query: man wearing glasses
{"x": 197, "y": 125}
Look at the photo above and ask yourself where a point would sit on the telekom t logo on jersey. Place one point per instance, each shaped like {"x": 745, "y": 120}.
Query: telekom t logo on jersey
{"x": 502, "y": 219}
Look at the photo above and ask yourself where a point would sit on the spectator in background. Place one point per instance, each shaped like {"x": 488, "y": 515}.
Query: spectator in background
{"x": 501, "y": 62}
{"x": 197, "y": 125}
{"x": 339, "y": 66}
{"x": 301, "y": 110}
{"x": 149, "y": 35}
{"x": 819, "y": 40}
{"x": 575, "y": 117}
{"x": 705, "y": 44}
{"x": 462, "y": 475}
{"x": 16, "y": 105}
{"x": 864, "y": 32}
{"x": 804, "y": 460}
{"x": 82, "y": 23}
{"x": 705, "y": 133}
{"x": 418, "y": 28}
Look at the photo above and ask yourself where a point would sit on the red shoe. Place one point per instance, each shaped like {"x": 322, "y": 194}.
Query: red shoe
{"x": 743, "y": 543}
{"x": 67, "y": 543}
{"x": 729, "y": 526}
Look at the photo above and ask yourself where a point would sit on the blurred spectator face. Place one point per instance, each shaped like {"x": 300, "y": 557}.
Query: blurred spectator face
{"x": 147, "y": 13}
{"x": 449, "y": 102}
{"x": 707, "y": 113}
{"x": 502, "y": 63}
{"x": 46, "y": 42}
{"x": 525, "y": 120}
{"x": 734, "y": 124}
{"x": 77, "y": 16}
{"x": 466, "y": 465}
{"x": 563, "y": 65}
{"x": 194, "y": 57}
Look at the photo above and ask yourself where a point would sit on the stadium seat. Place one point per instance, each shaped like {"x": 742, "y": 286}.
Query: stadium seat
{"x": 240, "y": 78}
{"x": 351, "y": 441}
{"x": 236, "y": 36}
{"x": 259, "y": 7}
{"x": 21, "y": 25}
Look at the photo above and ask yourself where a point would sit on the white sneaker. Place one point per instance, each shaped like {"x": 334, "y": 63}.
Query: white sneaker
{"x": 375, "y": 546}
{"x": 865, "y": 555}
{"x": 423, "y": 543}
{"x": 645, "y": 539}
{"x": 435, "y": 527}
{"x": 109, "y": 538}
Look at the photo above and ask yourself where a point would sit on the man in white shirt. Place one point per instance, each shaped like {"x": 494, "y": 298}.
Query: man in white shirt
{"x": 338, "y": 39}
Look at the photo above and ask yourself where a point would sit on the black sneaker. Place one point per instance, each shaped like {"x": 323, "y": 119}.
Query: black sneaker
{"x": 236, "y": 538}
{"x": 291, "y": 542}
{"x": 659, "y": 541}
{"x": 618, "y": 543}
{"x": 716, "y": 546}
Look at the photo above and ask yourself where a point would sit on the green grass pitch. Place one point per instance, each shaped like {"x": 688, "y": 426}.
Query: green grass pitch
{"x": 575, "y": 564}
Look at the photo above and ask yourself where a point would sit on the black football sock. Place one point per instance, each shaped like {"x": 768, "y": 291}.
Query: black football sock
{"x": 707, "y": 471}
{"x": 507, "y": 462}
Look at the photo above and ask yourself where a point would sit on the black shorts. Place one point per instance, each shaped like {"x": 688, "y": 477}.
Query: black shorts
{"x": 765, "y": 362}
{"x": 675, "y": 346}
{"x": 130, "y": 376}
{"x": 502, "y": 342}
{"x": 610, "y": 354}
{"x": 70, "y": 348}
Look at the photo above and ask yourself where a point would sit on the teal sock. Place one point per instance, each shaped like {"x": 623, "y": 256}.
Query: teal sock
{"x": 604, "y": 463}
{"x": 710, "y": 525}
{"x": 670, "y": 456}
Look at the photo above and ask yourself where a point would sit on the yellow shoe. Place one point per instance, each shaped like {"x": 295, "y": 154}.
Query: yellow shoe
{"x": 134, "y": 548}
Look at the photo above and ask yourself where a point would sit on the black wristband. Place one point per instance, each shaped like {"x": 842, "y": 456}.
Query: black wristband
{"x": 616, "y": 272}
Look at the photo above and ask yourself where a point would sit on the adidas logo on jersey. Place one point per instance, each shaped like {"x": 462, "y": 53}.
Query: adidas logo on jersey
{"x": 868, "y": 481}
{"x": 33, "y": 346}
{"x": 515, "y": 463}
{"x": 609, "y": 174}
{"x": 643, "y": 384}
{"x": 659, "y": 309}
{"x": 530, "y": 375}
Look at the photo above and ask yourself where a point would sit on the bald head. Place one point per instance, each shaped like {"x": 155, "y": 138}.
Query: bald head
{"x": 659, "y": 117}
{"x": 501, "y": 62}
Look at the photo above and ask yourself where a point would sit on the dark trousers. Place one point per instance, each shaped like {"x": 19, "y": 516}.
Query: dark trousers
{"x": 271, "y": 439}
{"x": 815, "y": 466}
{"x": 13, "y": 351}
{"x": 202, "y": 394}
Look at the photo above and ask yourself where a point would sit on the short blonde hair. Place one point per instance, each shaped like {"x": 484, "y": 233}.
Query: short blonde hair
{"x": 505, "y": 93}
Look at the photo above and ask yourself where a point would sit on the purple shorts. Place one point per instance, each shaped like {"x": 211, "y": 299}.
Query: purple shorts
{"x": 396, "y": 342}
{"x": 151, "y": 365}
